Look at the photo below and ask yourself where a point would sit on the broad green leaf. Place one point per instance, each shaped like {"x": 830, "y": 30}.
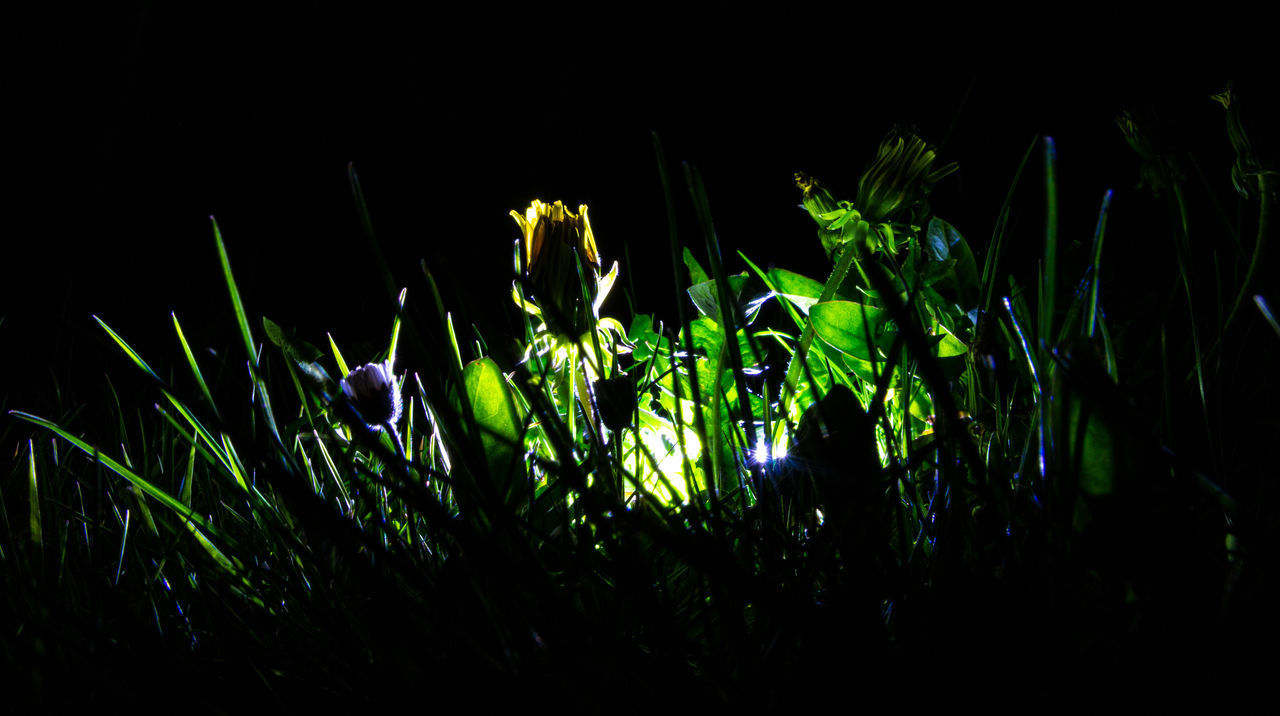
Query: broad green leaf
{"x": 944, "y": 243}
{"x": 706, "y": 336}
{"x": 949, "y": 346}
{"x": 847, "y": 326}
{"x": 645, "y": 339}
{"x": 707, "y": 299}
{"x": 696, "y": 274}
{"x": 800, "y": 290}
{"x": 494, "y": 410}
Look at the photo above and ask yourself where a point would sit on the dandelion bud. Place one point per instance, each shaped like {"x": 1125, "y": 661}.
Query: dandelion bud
{"x": 554, "y": 240}
{"x": 371, "y": 390}
{"x": 837, "y": 221}
{"x": 901, "y": 174}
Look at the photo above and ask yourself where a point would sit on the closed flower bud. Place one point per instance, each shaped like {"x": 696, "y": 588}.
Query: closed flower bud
{"x": 901, "y": 175}
{"x": 554, "y": 239}
{"x": 837, "y": 221}
{"x": 371, "y": 390}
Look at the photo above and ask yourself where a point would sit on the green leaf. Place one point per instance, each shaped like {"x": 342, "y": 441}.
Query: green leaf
{"x": 494, "y": 410}
{"x": 847, "y": 326}
{"x": 800, "y": 290}
{"x": 696, "y": 274}
{"x": 645, "y": 339}
{"x": 949, "y": 346}
{"x": 707, "y": 299}
{"x": 944, "y": 243}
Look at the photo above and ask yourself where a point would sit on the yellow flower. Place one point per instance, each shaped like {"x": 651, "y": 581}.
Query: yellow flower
{"x": 554, "y": 239}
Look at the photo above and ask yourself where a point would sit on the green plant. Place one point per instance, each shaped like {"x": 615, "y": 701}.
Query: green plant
{"x": 903, "y": 465}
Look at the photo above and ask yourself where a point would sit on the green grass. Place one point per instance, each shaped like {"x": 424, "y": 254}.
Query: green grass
{"x": 968, "y": 492}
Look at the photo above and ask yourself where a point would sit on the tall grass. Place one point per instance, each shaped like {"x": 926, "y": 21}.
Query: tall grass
{"x": 910, "y": 482}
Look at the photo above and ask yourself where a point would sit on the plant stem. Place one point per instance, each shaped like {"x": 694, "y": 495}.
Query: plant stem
{"x": 847, "y": 258}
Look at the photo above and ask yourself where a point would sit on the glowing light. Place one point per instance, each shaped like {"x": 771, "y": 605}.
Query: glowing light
{"x": 762, "y": 453}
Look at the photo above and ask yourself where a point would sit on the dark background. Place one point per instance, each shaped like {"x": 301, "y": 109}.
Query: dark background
{"x": 137, "y": 121}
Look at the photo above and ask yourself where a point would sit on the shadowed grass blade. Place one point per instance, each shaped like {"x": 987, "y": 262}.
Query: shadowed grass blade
{"x": 193, "y": 519}
{"x": 1001, "y": 232}
{"x": 1098, "y": 234}
{"x": 1049, "y": 280}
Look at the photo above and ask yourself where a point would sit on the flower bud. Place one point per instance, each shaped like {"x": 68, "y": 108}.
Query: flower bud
{"x": 901, "y": 175}
{"x": 371, "y": 390}
{"x": 555, "y": 239}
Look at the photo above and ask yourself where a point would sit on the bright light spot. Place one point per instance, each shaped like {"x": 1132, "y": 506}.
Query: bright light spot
{"x": 762, "y": 453}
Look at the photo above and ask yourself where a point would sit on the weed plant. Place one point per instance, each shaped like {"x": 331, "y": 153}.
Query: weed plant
{"x": 913, "y": 480}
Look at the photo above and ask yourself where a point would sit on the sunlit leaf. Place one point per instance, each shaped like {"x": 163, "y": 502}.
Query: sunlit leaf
{"x": 850, "y": 327}
{"x": 494, "y": 410}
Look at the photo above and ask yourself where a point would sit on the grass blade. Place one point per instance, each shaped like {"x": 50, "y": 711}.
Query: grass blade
{"x": 33, "y": 496}
{"x": 133, "y": 355}
{"x": 1098, "y": 234}
{"x": 241, "y": 319}
{"x": 1049, "y": 280}
{"x": 130, "y": 476}
{"x": 195, "y": 368}
{"x": 337, "y": 356}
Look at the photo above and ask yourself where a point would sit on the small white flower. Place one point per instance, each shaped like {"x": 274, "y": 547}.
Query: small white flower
{"x": 371, "y": 390}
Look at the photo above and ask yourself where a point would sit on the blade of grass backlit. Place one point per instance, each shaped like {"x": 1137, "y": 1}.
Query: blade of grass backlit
{"x": 214, "y": 444}
{"x": 241, "y": 319}
{"x": 195, "y": 368}
{"x": 129, "y": 351}
{"x": 337, "y": 356}
{"x": 33, "y": 496}
{"x": 395, "y": 327}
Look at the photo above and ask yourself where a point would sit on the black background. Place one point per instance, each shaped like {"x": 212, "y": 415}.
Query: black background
{"x": 137, "y": 122}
